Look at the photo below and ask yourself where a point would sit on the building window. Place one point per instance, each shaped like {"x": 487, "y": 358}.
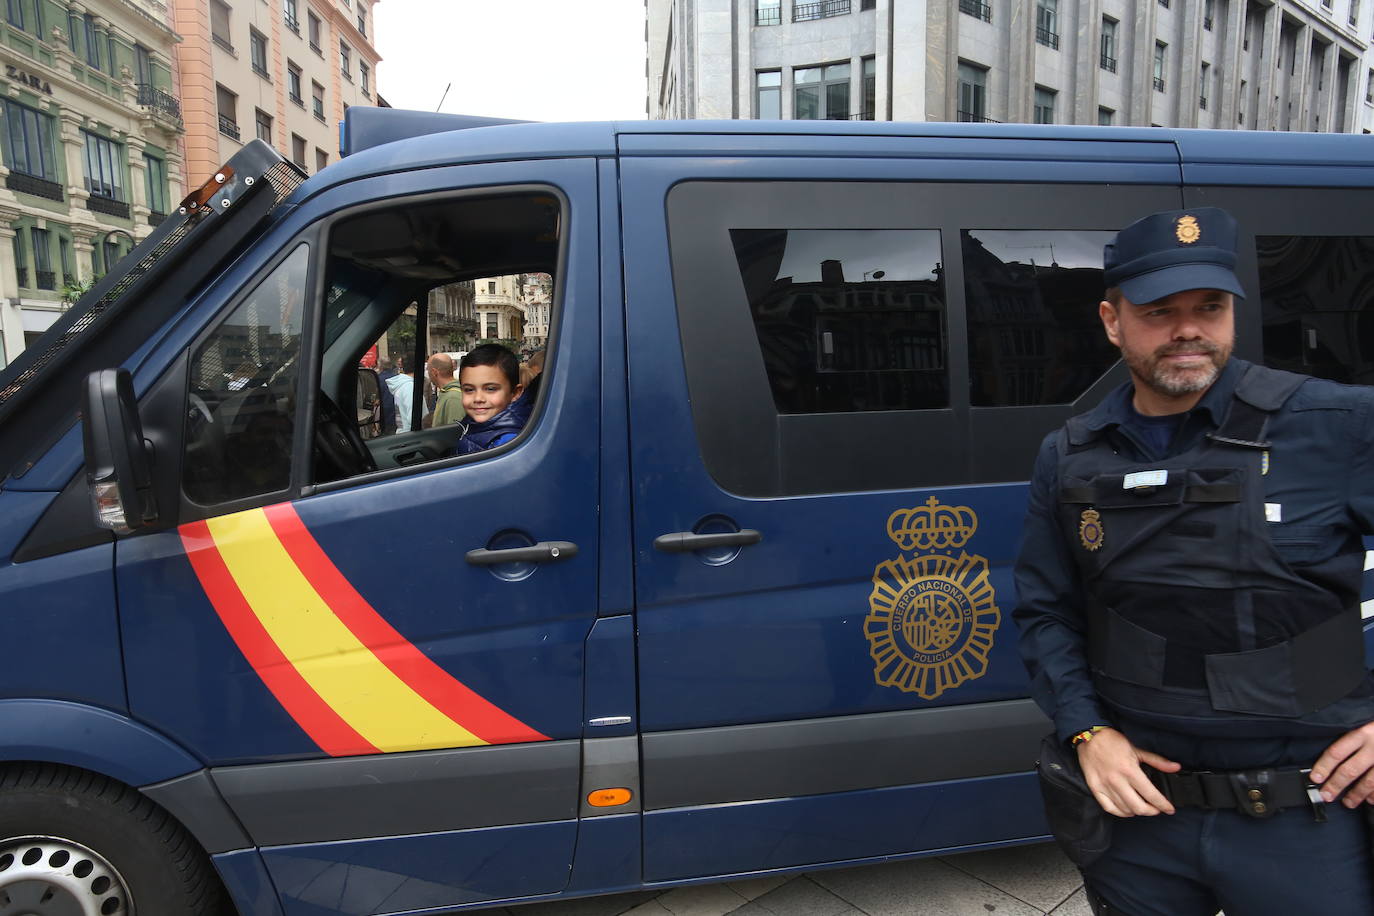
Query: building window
{"x": 104, "y": 177}
{"x": 313, "y": 25}
{"x": 228, "y": 104}
{"x": 30, "y": 149}
{"x": 257, "y": 44}
{"x": 363, "y": 73}
{"x": 43, "y": 275}
{"x": 822, "y": 9}
{"x": 868, "y": 4}
{"x": 66, "y": 261}
{"x": 973, "y": 87}
{"x": 291, "y": 15}
{"x": 21, "y": 261}
{"x": 263, "y": 120}
{"x": 1203, "y": 75}
{"x": 293, "y": 83}
{"x": 346, "y": 61}
{"x": 978, "y": 9}
{"x": 1369, "y": 88}
{"x": 1208, "y": 7}
{"x": 767, "y": 12}
{"x": 1160, "y": 48}
{"x": 317, "y": 100}
{"x": 1105, "y": 116}
{"x": 870, "y": 89}
{"x": 1044, "y": 105}
{"x": 821, "y": 93}
{"x": 92, "y": 39}
{"x": 1047, "y": 23}
{"x": 143, "y": 66}
{"x": 321, "y": 159}
{"x": 362, "y": 20}
{"x": 1164, "y": 3}
{"x": 155, "y": 175}
{"x": 298, "y": 150}
{"x": 768, "y": 95}
{"x": 220, "y": 33}
{"x": 1108, "y": 56}
{"x": 15, "y": 13}
{"x": 1354, "y": 16}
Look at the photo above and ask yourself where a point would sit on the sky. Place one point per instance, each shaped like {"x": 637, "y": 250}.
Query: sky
{"x": 535, "y": 60}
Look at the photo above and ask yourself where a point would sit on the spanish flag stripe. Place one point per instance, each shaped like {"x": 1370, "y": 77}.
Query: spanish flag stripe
{"x": 315, "y": 717}
{"x": 439, "y": 688}
{"x": 334, "y": 662}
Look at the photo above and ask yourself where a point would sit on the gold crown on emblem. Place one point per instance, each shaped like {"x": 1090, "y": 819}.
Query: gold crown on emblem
{"x": 932, "y": 526}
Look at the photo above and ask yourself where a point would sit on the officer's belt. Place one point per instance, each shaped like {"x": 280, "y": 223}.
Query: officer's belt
{"x": 1257, "y": 793}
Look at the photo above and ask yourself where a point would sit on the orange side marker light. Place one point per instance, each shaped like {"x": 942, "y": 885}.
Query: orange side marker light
{"x": 609, "y": 798}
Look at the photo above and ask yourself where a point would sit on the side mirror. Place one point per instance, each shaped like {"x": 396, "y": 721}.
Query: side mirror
{"x": 368, "y": 401}
{"x": 119, "y": 466}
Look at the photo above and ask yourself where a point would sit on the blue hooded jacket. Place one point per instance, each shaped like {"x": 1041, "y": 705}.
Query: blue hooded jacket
{"x": 500, "y": 429}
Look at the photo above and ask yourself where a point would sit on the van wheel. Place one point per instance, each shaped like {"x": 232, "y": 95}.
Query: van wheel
{"x": 73, "y": 843}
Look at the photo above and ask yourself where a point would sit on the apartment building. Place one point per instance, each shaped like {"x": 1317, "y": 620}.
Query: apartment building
{"x": 500, "y": 309}
{"x": 1285, "y": 65}
{"x": 283, "y": 71}
{"x": 91, "y": 148}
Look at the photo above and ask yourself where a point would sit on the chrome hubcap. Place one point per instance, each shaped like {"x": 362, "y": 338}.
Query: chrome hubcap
{"x": 46, "y": 876}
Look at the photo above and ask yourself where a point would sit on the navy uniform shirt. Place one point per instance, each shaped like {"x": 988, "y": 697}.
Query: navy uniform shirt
{"x": 1321, "y": 478}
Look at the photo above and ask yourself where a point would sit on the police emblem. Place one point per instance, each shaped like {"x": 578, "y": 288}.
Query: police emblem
{"x": 1090, "y": 531}
{"x": 932, "y": 615}
{"x": 1187, "y": 230}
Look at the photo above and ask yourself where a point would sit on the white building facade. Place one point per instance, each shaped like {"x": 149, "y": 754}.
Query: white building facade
{"x": 1243, "y": 64}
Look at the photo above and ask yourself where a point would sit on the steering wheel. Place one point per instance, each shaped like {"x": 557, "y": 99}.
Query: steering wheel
{"x": 339, "y": 449}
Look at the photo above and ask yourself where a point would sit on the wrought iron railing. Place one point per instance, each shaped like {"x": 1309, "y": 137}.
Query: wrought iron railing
{"x": 824, "y": 9}
{"x": 977, "y": 9}
{"x": 32, "y": 184}
{"x": 768, "y": 16}
{"x": 1202, "y": 102}
{"x": 1109, "y": 63}
{"x": 149, "y": 96}
{"x": 107, "y": 205}
{"x": 228, "y": 127}
{"x": 1159, "y": 84}
{"x": 155, "y": 218}
{"x": 223, "y": 43}
{"x": 22, "y": 275}
{"x": 1046, "y": 37}
{"x": 293, "y": 23}
{"x": 45, "y": 279}
{"x": 974, "y": 118}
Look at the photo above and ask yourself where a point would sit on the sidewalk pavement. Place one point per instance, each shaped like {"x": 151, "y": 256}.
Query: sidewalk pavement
{"x": 1017, "y": 881}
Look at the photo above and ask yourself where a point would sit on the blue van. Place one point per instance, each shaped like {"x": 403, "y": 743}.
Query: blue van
{"x": 736, "y": 600}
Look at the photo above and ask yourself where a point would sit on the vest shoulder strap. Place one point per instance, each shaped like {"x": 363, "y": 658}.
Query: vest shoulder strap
{"x": 1259, "y": 393}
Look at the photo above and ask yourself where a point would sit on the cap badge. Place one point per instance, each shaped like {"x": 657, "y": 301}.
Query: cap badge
{"x": 1090, "y": 529}
{"x": 1187, "y": 230}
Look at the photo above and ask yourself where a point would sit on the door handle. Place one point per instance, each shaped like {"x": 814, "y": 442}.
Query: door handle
{"x": 543, "y": 552}
{"x": 688, "y": 541}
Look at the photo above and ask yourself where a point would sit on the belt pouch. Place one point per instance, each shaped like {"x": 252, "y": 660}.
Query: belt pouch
{"x": 1080, "y": 826}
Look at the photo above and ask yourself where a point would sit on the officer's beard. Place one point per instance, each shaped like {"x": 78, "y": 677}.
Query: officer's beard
{"x": 1175, "y": 381}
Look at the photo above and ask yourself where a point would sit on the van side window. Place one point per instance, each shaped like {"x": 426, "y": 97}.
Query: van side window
{"x": 1031, "y": 296}
{"x": 1317, "y": 296}
{"x": 847, "y": 320}
{"x": 241, "y": 401}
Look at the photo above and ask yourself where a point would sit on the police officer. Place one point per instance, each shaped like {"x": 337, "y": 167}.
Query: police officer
{"x": 1189, "y": 585}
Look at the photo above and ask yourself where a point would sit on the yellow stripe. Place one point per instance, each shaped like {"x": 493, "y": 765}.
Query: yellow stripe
{"x": 343, "y": 671}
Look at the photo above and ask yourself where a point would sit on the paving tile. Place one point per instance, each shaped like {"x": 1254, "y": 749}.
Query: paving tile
{"x": 1077, "y": 905}
{"x": 610, "y": 905}
{"x": 753, "y": 888}
{"x": 702, "y": 900}
{"x": 652, "y": 908}
{"x": 920, "y": 887}
{"x": 799, "y": 897}
{"x": 1039, "y": 875}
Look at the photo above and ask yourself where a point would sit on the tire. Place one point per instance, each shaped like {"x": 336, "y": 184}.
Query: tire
{"x": 74, "y": 843}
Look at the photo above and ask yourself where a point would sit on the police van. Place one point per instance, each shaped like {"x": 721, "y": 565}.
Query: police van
{"x": 735, "y": 602}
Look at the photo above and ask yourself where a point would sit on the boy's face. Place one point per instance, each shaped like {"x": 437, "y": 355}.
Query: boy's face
{"x": 486, "y": 391}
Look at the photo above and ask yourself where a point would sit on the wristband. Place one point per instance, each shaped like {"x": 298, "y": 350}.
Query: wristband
{"x": 1086, "y": 735}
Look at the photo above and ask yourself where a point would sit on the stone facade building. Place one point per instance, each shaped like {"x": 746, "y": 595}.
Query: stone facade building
{"x": 1285, "y": 65}
{"x": 91, "y": 148}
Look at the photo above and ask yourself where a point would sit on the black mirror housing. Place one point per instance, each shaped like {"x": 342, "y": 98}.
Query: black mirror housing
{"x": 119, "y": 467}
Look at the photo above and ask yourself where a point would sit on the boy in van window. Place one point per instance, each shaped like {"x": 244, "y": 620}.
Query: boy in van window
{"x": 490, "y": 378}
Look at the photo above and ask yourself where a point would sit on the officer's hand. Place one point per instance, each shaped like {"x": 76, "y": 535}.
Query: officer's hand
{"x": 1112, "y": 767}
{"x": 1347, "y": 762}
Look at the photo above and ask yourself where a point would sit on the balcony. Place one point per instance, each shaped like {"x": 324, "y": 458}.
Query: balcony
{"x": 46, "y": 279}
{"x": 1159, "y": 84}
{"x": 228, "y": 127}
{"x": 970, "y": 117}
{"x": 223, "y": 43}
{"x": 1047, "y": 38}
{"x": 1202, "y": 102}
{"x": 107, "y": 205}
{"x": 768, "y": 16}
{"x": 805, "y": 12}
{"x": 149, "y": 96}
{"x": 32, "y": 184}
{"x": 293, "y": 23}
{"x": 1108, "y": 63}
{"x": 977, "y": 9}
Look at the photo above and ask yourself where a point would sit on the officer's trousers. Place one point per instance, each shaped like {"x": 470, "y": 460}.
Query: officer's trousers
{"x": 1196, "y": 862}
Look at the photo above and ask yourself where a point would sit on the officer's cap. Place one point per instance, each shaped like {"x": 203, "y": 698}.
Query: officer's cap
{"x": 1173, "y": 251}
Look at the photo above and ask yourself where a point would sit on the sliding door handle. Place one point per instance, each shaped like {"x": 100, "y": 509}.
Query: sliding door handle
{"x": 687, "y": 541}
{"x": 543, "y": 552}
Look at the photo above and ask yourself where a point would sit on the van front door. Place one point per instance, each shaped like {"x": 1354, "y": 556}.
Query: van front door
{"x": 376, "y": 644}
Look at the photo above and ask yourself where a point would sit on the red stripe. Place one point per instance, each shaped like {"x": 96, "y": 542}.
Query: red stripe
{"x": 318, "y": 719}
{"x": 439, "y": 688}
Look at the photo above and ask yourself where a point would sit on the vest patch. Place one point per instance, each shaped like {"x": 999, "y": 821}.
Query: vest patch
{"x": 1090, "y": 533}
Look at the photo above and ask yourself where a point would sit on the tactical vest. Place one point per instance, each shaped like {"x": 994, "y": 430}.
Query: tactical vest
{"x": 1193, "y": 616}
